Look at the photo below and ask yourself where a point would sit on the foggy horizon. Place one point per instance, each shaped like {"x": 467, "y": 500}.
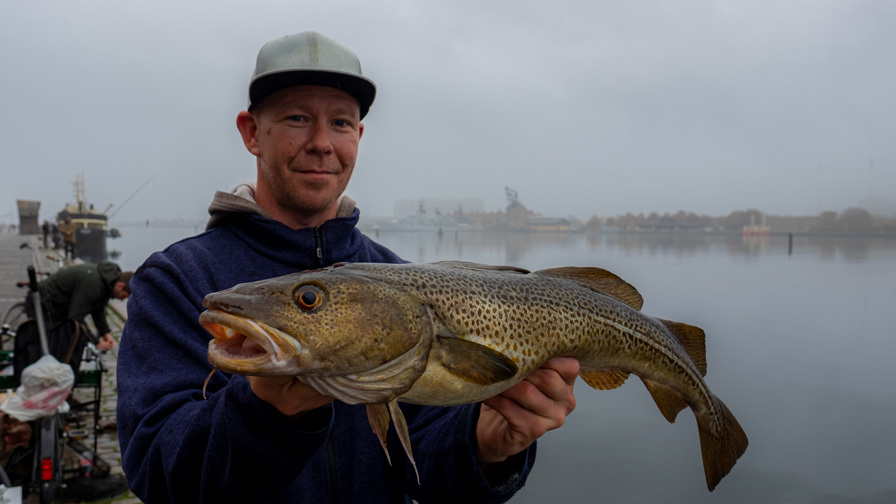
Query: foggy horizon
{"x": 585, "y": 108}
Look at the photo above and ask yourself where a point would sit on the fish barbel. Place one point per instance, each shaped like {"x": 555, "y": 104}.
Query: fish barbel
{"x": 453, "y": 333}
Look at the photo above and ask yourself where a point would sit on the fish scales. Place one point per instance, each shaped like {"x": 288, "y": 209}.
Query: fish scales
{"x": 452, "y": 333}
{"x": 535, "y": 306}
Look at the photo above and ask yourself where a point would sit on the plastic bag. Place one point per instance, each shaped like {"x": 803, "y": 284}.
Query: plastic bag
{"x": 10, "y": 495}
{"x": 45, "y": 386}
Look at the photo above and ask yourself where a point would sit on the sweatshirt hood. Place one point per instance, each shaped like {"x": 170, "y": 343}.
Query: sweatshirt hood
{"x": 241, "y": 200}
{"x": 109, "y": 272}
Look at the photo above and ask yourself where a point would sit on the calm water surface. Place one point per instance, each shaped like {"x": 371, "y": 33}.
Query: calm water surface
{"x": 800, "y": 347}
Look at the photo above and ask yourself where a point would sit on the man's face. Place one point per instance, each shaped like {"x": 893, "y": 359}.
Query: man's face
{"x": 306, "y": 141}
{"x": 119, "y": 292}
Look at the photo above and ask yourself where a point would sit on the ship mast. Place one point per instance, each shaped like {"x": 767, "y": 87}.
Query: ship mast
{"x": 79, "y": 191}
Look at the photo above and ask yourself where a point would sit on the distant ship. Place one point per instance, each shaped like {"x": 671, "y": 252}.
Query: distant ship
{"x": 756, "y": 229}
{"x": 421, "y": 222}
{"x": 92, "y": 226}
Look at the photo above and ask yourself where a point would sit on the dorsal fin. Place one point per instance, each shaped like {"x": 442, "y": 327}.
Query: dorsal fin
{"x": 482, "y": 267}
{"x": 600, "y": 280}
{"x": 693, "y": 339}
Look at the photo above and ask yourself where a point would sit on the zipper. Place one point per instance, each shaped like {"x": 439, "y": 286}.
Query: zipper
{"x": 318, "y": 248}
{"x": 335, "y": 496}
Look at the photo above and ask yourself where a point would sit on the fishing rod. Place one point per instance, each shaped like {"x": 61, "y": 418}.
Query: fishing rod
{"x": 132, "y": 195}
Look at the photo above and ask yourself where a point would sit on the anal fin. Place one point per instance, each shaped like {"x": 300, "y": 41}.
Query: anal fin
{"x": 605, "y": 379}
{"x": 667, "y": 400}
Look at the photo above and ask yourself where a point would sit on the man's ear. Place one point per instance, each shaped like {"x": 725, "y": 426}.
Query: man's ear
{"x": 248, "y": 126}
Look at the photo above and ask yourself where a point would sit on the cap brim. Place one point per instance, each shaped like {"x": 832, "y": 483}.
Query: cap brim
{"x": 362, "y": 89}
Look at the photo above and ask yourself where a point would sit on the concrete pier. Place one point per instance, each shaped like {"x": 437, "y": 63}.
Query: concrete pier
{"x": 13, "y": 263}
{"x": 14, "y": 260}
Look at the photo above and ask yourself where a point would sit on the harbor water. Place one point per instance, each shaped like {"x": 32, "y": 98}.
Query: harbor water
{"x": 799, "y": 345}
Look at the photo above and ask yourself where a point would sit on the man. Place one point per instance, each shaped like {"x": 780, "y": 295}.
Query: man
{"x": 275, "y": 439}
{"x": 56, "y": 235}
{"x": 45, "y": 230}
{"x": 84, "y": 289}
{"x": 67, "y": 228}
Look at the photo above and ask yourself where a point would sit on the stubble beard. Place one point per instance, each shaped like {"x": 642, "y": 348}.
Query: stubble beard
{"x": 308, "y": 199}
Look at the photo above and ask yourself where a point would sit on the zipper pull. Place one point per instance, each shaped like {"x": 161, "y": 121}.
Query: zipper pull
{"x": 318, "y": 247}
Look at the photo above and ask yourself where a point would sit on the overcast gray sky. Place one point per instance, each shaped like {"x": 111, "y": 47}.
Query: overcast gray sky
{"x": 583, "y": 107}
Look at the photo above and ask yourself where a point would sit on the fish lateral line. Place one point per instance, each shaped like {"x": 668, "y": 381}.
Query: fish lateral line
{"x": 693, "y": 345}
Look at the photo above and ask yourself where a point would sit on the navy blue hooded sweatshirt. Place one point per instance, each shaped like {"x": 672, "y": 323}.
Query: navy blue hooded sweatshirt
{"x": 232, "y": 446}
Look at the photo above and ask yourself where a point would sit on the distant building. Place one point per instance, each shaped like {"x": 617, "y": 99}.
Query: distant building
{"x": 788, "y": 224}
{"x": 437, "y": 206}
{"x": 552, "y": 224}
{"x": 667, "y": 223}
{"x": 28, "y": 211}
{"x": 517, "y": 215}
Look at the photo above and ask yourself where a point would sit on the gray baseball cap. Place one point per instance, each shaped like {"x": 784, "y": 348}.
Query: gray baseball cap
{"x": 309, "y": 59}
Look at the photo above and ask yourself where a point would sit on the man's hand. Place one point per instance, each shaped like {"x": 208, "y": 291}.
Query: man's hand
{"x": 514, "y": 419}
{"x": 105, "y": 343}
{"x": 287, "y": 394}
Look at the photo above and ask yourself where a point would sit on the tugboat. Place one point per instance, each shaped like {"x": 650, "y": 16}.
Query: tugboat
{"x": 91, "y": 232}
{"x": 756, "y": 230}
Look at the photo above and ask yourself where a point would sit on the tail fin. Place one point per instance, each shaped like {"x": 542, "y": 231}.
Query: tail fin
{"x": 720, "y": 449}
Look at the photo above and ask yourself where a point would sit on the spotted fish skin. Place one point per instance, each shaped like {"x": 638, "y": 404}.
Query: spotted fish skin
{"x": 453, "y": 333}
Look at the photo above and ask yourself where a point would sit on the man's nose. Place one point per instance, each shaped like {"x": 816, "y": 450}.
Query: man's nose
{"x": 320, "y": 139}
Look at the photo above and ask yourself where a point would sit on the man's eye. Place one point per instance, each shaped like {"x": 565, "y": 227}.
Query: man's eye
{"x": 339, "y": 123}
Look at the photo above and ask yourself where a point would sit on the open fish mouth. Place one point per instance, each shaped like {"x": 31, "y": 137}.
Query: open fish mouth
{"x": 242, "y": 345}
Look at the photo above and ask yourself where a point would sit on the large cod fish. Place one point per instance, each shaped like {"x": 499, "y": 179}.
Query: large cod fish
{"x": 453, "y": 333}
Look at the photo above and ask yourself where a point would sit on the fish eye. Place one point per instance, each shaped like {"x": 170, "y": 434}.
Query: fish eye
{"x": 308, "y": 297}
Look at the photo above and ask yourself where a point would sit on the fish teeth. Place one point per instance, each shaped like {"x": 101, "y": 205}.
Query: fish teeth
{"x": 228, "y": 332}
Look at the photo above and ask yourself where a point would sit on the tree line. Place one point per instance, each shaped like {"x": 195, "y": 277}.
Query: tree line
{"x": 852, "y": 220}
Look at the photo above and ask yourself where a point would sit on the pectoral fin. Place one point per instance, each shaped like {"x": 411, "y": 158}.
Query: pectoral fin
{"x": 471, "y": 361}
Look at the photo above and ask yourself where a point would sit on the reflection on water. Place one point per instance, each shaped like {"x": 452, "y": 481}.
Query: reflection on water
{"x": 800, "y": 346}
{"x": 137, "y": 243}
{"x": 517, "y": 248}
